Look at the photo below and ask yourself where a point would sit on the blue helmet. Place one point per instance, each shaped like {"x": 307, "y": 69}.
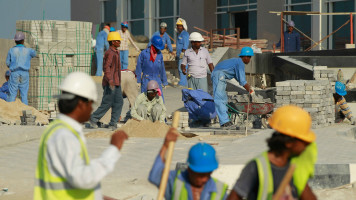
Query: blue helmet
{"x": 202, "y": 158}
{"x": 157, "y": 42}
{"x": 7, "y": 73}
{"x": 246, "y": 51}
{"x": 340, "y": 88}
{"x": 112, "y": 29}
{"x": 125, "y": 24}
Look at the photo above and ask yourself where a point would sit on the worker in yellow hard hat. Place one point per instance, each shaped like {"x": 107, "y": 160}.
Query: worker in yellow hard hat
{"x": 292, "y": 143}
{"x": 182, "y": 45}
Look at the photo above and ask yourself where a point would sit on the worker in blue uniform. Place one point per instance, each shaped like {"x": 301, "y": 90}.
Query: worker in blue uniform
{"x": 150, "y": 64}
{"x": 291, "y": 39}
{"x": 226, "y": 70}
{"x": 101, "y": 46}
{"x": 165, "y": 37}
{"x": 182, "y": 45}
{"x": 4, "y": 89}
{"x": 19, "y": 62}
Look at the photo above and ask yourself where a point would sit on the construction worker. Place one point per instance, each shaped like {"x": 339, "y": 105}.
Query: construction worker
{"x": 149, "y": 105}
{"x": 197, "y": 58}
{"x": 226, "y": 70}
{"x": 182, "y": 45}
{"x": 195, "y": 182}
{"x": 124, "y": 48}
{"x": 64, "y": 170}
{"x": 150, "y": 64}
{"x": 292, "y": 143}
{"x": 19, "y": 62}
{"x": 112, "y": 96}
{"x": 291, "y": 39}
{"x": 4, "y": 89}
{"x": 342, "y": 110}
{"x": 165, "y": 37}
{"x": 100, "y": 47}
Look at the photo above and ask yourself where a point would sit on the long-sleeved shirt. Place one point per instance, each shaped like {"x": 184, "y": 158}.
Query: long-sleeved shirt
{"x": 5, "y": 88}
{"x": 102, "y": 43}
{"x": 156, "y": 174}
{"x": 232, "y": 68}
{"x": 142, "y": 99}
{"x": 112, "y": 67}
{"x": 291, "y": 42}
{"x": 197, "y": 63}
{"x": 182, "y": 42}
{"x": 165, "y": 39}
{"x": 125, "y": 38}
{"x": 341, "y": 106}
{"x": 19, "y": 58}
{"x": 64, "y": 159}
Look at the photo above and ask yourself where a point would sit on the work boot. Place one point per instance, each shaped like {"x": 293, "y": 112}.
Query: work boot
{"x": 228, "y": 125}
{"x": 112, "y": 127}
{"x": 93, "y": 124}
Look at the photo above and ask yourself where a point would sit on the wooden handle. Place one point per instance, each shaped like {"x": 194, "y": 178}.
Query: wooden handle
{"x": 164, "y": 179}
{"x": 284, "y": 183}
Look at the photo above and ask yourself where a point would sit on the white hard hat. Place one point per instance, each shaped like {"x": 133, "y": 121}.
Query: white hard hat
{"x": 80, "y": 84}
{"x": 195, "y": 36}
{"x": 163, "y": 24}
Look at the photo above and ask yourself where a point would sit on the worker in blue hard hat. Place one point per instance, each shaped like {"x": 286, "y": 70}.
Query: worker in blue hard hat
{"x": 342, "y": 110}
{"x": 150, "y": 65}
{"x": 124, "y": 47}
{"x": 165, "y": 37}
{"x": 226, "y": 70}
{"x": 4, "y": 90}
{"x": 195, "y": 182}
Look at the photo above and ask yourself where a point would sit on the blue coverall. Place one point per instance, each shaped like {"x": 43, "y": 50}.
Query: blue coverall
{"x": 150, "y": 70}
{"x": 165, "y": 40}
{"x": 18, "y": 60}
{"x": 182, "y": 43}
{"x": 226, "y": 70}
{"x": 291, "y": 42}
{"x": 4, "y": 91}
{"x": 101, "y": 46}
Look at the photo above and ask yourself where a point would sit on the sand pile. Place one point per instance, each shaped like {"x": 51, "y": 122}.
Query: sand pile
{"x": 11, "y": 112}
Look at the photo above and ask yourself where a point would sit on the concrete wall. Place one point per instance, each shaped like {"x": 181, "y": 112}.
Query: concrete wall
{"x": 268, "y": 25}
{"x": 86, "y": 10}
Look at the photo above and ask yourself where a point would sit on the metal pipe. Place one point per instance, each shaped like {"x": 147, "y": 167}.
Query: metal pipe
{"x": 351, "y": 30}
{"x": 282, "y": 34}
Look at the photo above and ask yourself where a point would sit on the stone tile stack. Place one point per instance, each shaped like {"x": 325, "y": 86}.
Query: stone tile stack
{"x": 314, "y": 96}
{"x": 322, "y": 73}
{"x": 184, "y": 121}
{"x": 62, "y": 47}
{"x": 27, "y": 118}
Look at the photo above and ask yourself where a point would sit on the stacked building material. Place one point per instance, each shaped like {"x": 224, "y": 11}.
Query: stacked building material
{"x": 62, "y": 47}
{"x": 27, "y": 118}
{"x": 314, "y": 96}
{"x": 184, "y": 121}
{"x": 322, "y": 73}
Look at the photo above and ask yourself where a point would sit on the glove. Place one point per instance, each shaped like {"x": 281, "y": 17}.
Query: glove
{"x": 252, "y": 92}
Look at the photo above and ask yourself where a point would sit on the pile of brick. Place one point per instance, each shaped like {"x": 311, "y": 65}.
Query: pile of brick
{"x": 183, "y": 121}
{"x": 62, "y": 47}
{"x": 27, "y": 118}
{"x": 322, "y": 73}
{"x": 171, "y": 79}
{"x": 314, "y": 96}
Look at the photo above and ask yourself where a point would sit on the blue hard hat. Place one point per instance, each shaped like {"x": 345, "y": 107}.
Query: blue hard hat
{"x": 202, "y": 158}
{"x": 340, "y": 88}
{"x": 112, "y": 29}
{"x": 125, "y": 24}
{"x": 7, "y": 73}
{"x": 246, "y": 51}
{"x": 157, "y": 42}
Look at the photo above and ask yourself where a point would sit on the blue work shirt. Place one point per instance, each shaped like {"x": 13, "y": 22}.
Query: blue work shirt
{"x": 291, "y": 42}
{"x": 5, "y": 88}
{"x": 19, "y": 58}
{"x": 102, "y": 41}
{"x": 165, "y": 39}
{"x": 182, "y": 42}
{"x": 232, "y": 68}
{"x": 156, "y": 174}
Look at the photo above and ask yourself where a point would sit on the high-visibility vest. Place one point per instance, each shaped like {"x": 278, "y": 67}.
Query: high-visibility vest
{"x": 49, "y": 186}
{"x": 180, "y": 191}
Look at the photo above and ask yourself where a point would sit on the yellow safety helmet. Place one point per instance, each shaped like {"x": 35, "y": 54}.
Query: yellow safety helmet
{"x": 114, "y": 36}
{"x": 292, "y": 121}
{"x": 179, "y": 22}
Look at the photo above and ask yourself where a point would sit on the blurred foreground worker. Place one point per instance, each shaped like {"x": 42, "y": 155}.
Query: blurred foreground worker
{"x": 112, "y": 96}
{"x": 64, "y": 170}
{"x": 291, "y": 143}
{"x": 124, "y": 48}
{"x": 149, "y": 105}
{"x": 226, "y": 70}
{"x": 150, "y": 64}
{"x": 197, "y": 58}
{"x": 100, "y": 47}
{"x": 19, "y": 62}
{"x": 165, "y": 37}
{"x": 182, "y": 46}
{"x": 4, "y": 90}
{"x": 195, "y": 182}
{"x": 342, "y": 110}
{"x": 291, "y": 39}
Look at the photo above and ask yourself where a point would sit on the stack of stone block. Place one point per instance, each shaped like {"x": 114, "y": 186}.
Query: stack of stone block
{"x": 314, "y": 96}
{"x": 171, "y": 79}
{"x": 322, "y": 73}
{"x": 53, "y": 111}
{"x": 184, "y": 121}
{"x": 62, "y": 47}
{"x": 27, "y": 118}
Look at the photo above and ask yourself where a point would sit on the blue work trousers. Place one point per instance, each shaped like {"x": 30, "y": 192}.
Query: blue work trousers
{"x": 183, "y": 78}
{"x": 220, "y": 96}
{"x": 124, "y": 58}
{"x": 19, "y": 80}
{"x": 99, "y": 62}
{"x": 3, "y": 96}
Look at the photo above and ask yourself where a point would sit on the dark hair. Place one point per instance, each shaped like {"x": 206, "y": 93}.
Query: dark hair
{"x": 19, "y": 42}
{"x": 110, "y": 43}
{"x": 277, "y": 142}
{"x": 67, "y": 106}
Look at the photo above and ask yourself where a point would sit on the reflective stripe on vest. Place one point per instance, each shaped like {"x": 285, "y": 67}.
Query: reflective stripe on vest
{"x": 180, "y": 191}
{"x": 265, "y": 177}
{"x": 48, "y": 186}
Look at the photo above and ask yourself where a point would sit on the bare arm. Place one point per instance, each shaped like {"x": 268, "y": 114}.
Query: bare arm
{"x": 308, "y": 194}
{"x": 248, "y": 88}
{"x": 211, "y": 67}
{"x": 171, "y": 136}
{"x": 234, "y": 196}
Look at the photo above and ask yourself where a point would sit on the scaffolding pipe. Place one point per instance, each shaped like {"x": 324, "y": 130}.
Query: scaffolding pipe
{"x": 351, "y": 30}
{"x": 282, "y": 34}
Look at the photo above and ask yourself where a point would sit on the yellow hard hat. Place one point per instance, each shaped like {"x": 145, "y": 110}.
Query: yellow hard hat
{"x": 114, "y": 36}
{"x": 292, "y": 121}
{"x": 179, "y": 22}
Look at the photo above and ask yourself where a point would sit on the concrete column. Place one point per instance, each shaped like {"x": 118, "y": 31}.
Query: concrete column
{"x": 319, "y": 23}
{"x": 148, "y": 17}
